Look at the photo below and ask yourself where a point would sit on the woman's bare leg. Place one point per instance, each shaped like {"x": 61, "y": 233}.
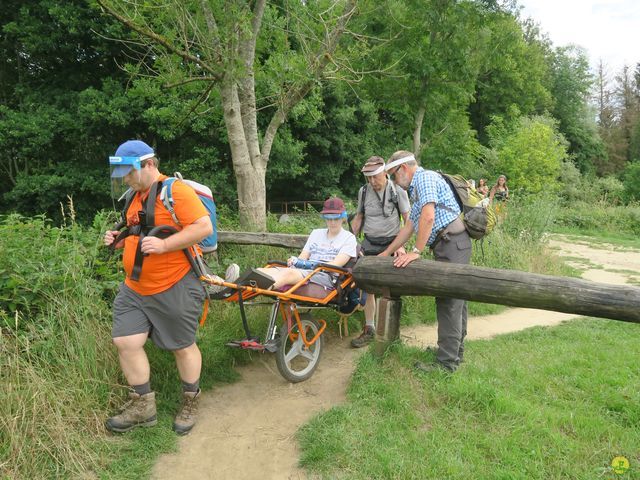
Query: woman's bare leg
{"x": 282, "y": 276}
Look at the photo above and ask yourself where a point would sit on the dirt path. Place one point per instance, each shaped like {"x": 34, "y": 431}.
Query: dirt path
{"x": 247, "y": 430}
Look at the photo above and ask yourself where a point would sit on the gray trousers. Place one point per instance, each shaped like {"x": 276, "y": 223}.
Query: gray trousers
{"x": 452, "y": 312}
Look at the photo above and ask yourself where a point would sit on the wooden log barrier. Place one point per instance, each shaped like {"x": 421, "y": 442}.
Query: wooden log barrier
{"x": 505, "y": 287}
{"x": 285, "y": 240}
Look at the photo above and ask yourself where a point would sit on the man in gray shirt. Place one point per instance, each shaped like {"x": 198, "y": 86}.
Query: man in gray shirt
{"x": 380, "y": 205}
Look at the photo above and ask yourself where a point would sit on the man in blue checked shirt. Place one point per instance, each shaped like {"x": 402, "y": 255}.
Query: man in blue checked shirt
{"x": 435, "y": 218}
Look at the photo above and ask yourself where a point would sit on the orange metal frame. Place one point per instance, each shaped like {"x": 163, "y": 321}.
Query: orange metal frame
{"x": 289, "y": 299}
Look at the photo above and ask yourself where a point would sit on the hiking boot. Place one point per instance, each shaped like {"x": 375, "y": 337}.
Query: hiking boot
{"x": 139, "y": 411}
{"x": 365, "y": 338}
{"x": 431, "y": 367}
{"x": 186, "y": 417}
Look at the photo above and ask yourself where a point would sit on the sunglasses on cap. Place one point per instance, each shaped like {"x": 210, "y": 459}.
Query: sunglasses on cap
{"x": 334, "y": 216}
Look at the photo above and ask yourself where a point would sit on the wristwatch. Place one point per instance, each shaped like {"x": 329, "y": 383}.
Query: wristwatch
{"x": 416, "y": 250}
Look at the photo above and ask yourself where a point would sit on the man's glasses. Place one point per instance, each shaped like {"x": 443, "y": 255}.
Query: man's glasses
{"x": 393, "y": 173}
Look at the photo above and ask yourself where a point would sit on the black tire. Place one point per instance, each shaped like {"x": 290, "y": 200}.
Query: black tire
{"x": 295, "y": 362}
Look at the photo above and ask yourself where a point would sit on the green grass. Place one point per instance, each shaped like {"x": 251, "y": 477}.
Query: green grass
{"x": 623, "y": 240}
{"x": 540, "y": 404}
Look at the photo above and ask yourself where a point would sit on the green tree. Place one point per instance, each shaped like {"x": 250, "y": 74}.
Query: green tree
{"x": 571, "y": 84}
{"x": 239, "y": 49}
{"x": 48, "y": 57}
{"x": 631, "y": 181}
{"x": 529, "y": 151}
{"x": 514, "y": 73}
{"x": 430, "y": 59}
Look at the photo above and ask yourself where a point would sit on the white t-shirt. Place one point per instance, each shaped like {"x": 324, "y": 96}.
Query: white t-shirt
{"x": 322, "y": 249}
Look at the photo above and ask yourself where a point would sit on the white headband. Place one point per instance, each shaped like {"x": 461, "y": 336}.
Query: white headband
{"x": 375, "y": 172}
{"x": 399, "y": 161}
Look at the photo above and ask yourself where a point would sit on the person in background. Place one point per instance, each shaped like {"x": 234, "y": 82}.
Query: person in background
{"x": 499, "y": 193}
{"x": 483, "y": 188}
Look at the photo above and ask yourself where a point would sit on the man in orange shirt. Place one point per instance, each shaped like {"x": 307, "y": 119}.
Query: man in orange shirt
{"x": 164, "y": 299}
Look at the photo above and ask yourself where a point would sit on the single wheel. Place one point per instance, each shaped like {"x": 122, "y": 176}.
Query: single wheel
{"x": 297, "y": 362}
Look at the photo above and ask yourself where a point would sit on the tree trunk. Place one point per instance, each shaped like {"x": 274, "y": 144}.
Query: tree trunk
{"x": 250, "y": 178}
{"x": 417, "y": 131}
{"x": 504, "y": 287}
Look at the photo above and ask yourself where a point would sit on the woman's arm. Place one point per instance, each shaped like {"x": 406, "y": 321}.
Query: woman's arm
{"x": 304, "y": 255}
{"x": 340, "y": 260}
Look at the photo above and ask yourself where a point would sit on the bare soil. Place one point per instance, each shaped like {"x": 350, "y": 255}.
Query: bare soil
{"x": 247, "y": 430}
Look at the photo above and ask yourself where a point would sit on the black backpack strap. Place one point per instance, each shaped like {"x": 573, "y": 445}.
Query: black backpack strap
{"x": 362, "y": 195}
{"x": 147, "y": 222}
{"x": 123, "y": 221}
{"x": 394, "y": 198}
{"x": 150, "y": 204}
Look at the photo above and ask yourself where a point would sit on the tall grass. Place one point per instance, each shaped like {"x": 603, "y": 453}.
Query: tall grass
{"x": 56, "y": 365}
{"x": 599, "y": 217}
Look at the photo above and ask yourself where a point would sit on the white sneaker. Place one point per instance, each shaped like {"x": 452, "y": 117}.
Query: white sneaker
{"x": 213, "y": 289}
{"x": 232, "y": 274}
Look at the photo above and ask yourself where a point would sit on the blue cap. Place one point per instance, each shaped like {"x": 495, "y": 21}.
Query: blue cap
{"x": 135, "y": 148}
{"x": 128, "y": 156}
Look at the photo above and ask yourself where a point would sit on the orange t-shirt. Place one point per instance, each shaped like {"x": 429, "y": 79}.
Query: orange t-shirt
{"x": 161, "y": 272}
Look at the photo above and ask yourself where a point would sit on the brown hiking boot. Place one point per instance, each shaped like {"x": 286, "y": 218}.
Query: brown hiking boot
{"x": 365, "y": 338}
{"x": 186, "y": 417}
{"x": 139, "y": 411}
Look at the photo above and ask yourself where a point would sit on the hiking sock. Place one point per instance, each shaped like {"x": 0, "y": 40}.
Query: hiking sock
{"x": 190, "y": 387}
{"x": 142, "y": 389}
{"x": 369, "y": 323}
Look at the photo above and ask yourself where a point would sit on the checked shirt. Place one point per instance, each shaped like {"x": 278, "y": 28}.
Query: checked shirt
{"x": 426, "y": 187}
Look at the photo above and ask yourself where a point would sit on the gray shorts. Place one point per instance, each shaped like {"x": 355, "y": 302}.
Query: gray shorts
{"x": 170, "y": 317}
{"x": 321, "y": 278}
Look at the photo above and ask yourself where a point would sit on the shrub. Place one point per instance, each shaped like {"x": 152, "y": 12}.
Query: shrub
{"x": 529, "y": 151}
{"x": 600, "y": 217}
{"x": 631, "y": 181}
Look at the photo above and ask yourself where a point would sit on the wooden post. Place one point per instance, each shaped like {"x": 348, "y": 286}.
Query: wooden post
{"x": 388, "y": 323}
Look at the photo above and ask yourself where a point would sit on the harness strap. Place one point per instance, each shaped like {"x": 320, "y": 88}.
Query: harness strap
{"x": 147, "y": 225}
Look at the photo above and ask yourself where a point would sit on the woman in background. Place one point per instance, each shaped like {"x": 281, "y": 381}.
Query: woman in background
{"x": 499, "y": 193}
{"x": 483, "y": 189}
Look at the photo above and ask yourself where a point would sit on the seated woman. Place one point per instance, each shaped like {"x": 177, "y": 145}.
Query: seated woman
{"x": 332, "y": 245}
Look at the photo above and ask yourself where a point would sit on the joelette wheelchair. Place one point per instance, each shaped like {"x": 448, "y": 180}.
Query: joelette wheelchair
{"x": 297, "y": 341}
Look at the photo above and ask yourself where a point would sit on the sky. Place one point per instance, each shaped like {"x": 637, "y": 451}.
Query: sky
{"x": 607, "y": 29}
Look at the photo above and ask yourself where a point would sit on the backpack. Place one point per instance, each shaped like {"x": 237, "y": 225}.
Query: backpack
{"x": 210, "y": 243}
{"x": 478, "y": 216}
{"x": 147, "y": 222}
